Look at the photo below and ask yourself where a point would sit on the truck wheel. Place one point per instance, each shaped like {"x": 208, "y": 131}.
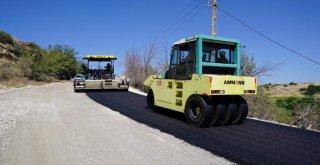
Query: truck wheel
{"x": 150, "y": 100}
{"x": 219, "y": 110}
{"x": 198, "y": 112}
{"x": 242, "y": 111}
{"x": 230, "y": 114}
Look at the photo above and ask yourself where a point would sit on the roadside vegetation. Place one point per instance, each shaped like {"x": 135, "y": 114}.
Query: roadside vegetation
{"x": 293, "y": 104}
{"x": 26, "y": 62}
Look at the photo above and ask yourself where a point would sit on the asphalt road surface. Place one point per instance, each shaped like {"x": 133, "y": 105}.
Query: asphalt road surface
{"x": 253, "y": 142}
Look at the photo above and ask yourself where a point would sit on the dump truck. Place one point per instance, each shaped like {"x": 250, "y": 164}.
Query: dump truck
{"x": 203, "y": 82}
{"x": 101, "y": 76}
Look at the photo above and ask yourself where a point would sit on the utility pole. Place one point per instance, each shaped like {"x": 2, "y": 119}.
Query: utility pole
{"x": 214, "y": 16}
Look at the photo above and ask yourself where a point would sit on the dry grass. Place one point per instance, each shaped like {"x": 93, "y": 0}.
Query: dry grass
{"x": 19, "y": 82}
{"x": 11, "y": 76}
{"x": 288, "y": 90}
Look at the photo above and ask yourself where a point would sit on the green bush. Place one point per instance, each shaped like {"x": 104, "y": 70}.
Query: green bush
{"x": 267, "y": 86}
{"x": 283, "y": 116}
{"x": 6, "y": 38}
{"x": 63, "y": 61}
{"x": 261, "y": 105}
{"x": 302, "y": 89}
{"x": 312, "y": 89}
{"x": 292, "y": 83}
{"x": 33, "y": 46}
{"x": 290, "y": 103}
{"x": 19, "y": 50}
{"x": 24, "y": 64}
{"x": 56, "y": 62}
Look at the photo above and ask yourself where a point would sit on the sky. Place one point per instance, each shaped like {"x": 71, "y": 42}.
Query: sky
{"x": 113, "y": 26}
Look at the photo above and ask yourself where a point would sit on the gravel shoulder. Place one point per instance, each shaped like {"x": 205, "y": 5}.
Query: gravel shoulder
{"x": 51, "y": 124}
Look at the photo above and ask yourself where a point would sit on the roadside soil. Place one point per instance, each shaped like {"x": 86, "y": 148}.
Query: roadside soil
{"x": 51, "y": 124}
{"x": 19, "y": 82}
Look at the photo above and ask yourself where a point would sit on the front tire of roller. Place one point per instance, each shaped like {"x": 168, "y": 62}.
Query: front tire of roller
{"x": 150, "y": 100}
{"x": 242, "y": 111}
{"x": 198, "y": 112}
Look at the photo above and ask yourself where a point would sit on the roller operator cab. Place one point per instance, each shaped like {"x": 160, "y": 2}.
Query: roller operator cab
{"x": 203, "y": 81}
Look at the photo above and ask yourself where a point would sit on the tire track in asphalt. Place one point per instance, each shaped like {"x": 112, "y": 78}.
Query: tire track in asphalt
{"x": 253, "y": 142}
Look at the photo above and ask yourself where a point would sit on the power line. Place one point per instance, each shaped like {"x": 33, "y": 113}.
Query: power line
{"x": 173, "y": 20}
{"x": 182, "y": 23}
{"x": 182, "y": 18}
{"x": 268, "y": 38}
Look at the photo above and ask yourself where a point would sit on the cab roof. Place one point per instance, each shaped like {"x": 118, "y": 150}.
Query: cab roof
{"x": 99, "y": 57}
{"x": 207, "y": 38}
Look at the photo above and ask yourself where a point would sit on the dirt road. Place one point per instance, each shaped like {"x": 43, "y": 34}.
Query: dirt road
{"x": 52, "y": 125}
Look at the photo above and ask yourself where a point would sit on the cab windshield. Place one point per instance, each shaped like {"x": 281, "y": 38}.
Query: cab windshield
{"x": 218, "y": 53}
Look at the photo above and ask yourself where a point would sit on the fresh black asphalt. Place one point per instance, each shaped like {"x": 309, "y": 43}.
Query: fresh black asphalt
{"x": 253, "y": 142}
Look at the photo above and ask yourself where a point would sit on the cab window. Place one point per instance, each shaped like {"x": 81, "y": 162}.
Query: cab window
{"x": 182, "y": 61}
{"x": 218, "y": 53}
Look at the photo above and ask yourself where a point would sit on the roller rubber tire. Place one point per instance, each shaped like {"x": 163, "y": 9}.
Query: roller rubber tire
{"x": 242, "y": 111}
{"x": 219, "y": 110}
{"x": 198, "y": 112}
{"x": 150, "y": 100}
{"x": 230, "y": 114}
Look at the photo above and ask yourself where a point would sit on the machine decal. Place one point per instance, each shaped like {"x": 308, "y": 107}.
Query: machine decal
{"x": 234, "y": 82}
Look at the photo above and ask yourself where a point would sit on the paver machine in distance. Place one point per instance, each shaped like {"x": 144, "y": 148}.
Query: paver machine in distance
{"x": 102, "y": 76}
{"x": 203, "y": 82}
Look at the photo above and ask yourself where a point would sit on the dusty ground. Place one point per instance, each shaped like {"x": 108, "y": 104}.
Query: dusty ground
{"x": 52, "y": 125}
{"x": 18, "y": 82}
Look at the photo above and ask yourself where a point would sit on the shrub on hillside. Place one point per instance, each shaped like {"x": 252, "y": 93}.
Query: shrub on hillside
{"x": 6, "y": 38}
{"x": 308, "y": 115}
{"x": 24, "y": 64}
{"x": 312, "y": 89}
{"x": 302, "y": 89}
{"x": 9, "y": 70}
{"x": 261, "y": 105}
{"x": 292, "y": 83}
{"x": 19, "y": 50}
{"x": 291, "y": 102}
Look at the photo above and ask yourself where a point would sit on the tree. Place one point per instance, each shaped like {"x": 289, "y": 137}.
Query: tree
{"x": 248, "y": 67}
{"x": 165, "y": 59}
{"x": 148, "y": 56}
{"x": 55, "y": 62}
{"x": 62, "y": 60}
{"x": 133, "y": 67}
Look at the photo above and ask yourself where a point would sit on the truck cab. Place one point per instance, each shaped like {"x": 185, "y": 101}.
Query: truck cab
{"x": 203, "y": 81}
